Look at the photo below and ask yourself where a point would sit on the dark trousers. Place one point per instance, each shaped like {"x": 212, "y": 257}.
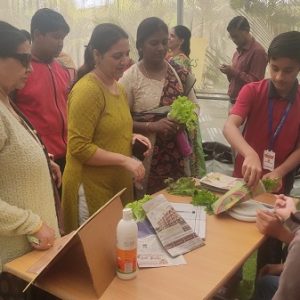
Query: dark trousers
{"x": 270, "y": 252}
{"x": 266, "y": 287}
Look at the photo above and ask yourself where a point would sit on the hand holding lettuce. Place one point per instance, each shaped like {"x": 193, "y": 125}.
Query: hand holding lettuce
{"x": 183, "y": 111}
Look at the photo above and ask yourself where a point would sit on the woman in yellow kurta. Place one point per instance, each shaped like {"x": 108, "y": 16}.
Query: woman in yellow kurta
{"x": 99, "y": 162}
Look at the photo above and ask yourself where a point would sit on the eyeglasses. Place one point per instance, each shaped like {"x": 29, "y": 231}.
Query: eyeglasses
{"x": 23, "y": 58}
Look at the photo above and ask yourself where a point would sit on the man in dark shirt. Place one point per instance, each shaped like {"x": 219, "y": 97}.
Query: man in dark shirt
{"x": 249, "y": 60}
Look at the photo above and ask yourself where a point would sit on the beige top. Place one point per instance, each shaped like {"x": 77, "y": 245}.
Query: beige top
{"x": 26, "y": 195}
{"x": 143, "y": 93}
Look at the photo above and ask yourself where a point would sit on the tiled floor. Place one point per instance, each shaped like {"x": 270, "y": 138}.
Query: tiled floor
{"x": 213, "y": 114}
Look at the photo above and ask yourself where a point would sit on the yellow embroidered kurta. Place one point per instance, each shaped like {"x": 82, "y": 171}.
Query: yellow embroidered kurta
{"x": 96, "y": 119}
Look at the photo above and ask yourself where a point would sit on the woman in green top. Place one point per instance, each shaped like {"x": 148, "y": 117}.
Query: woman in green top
{"x": 179, "y": 46}
{"x": 99, "y": 162}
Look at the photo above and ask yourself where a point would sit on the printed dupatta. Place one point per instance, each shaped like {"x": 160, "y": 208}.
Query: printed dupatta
{"x": 167, "y": 161}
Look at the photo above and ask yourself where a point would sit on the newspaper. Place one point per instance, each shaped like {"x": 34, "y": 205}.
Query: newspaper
{"x": 175, "y": 235}
{"x": 151, "y": 253}
{"x": 195, "y": 216}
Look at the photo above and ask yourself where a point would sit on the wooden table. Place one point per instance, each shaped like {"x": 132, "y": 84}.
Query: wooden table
{"x": 228, "y": 244}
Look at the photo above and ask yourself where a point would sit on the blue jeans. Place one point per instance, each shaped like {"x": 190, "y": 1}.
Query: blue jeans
{"x": 266, "y": 287}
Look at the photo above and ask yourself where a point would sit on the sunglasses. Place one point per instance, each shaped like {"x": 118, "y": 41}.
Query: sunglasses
{"x": 23, "y": 58}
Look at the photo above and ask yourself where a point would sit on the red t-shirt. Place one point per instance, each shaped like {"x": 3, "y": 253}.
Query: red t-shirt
{"x": 252, "y": 106}
{"x": 43, "y": 101}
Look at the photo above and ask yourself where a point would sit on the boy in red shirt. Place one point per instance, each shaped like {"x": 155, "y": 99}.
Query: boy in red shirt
{"x": 43, "y": 100}
{"x": 269, "y": 144}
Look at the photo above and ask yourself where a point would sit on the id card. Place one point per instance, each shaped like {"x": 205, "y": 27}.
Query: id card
{"x": 269, "y": 160}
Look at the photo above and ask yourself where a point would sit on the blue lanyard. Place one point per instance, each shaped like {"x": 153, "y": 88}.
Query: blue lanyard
{"x": 272, "y": 137}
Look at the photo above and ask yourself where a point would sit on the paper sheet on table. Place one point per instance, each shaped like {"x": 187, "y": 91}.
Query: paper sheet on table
{"x": 176, "y": 236}
{"x": 151, "y": 253}
{"x": 195, "y": 216}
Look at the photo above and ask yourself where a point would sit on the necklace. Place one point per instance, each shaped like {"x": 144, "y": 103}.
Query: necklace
{"x": 112, "y": 87}
{"x": 160, "y": 75}
{"x": 9, "y": 107}
{"x": 6, "y": 101}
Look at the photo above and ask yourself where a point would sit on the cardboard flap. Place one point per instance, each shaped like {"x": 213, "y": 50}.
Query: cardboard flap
{"x": 98, "y": 238}
{"x": 84, "y": 265}
{"x": 69, "y": 277}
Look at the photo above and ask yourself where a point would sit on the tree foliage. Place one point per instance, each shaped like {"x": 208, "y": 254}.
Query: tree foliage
{"x": 279, "y": 15}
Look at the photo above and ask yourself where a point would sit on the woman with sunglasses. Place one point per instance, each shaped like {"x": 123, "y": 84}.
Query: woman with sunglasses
{"x": 27, "y": 206}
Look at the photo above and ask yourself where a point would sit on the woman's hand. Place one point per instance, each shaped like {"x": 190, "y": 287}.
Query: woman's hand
{"x": 136, "y": 167}
{"x": 165, "y": 127}
{"x": 144, "y": 140}
{"x": 56, "y": 173}
{"x": 284, "y": 206}
{"x": 45, "y": 236}
{"x": 251, "y": 169}
{"x": 269, "y": 223}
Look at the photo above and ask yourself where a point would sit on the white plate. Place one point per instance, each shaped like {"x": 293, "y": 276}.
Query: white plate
{"x": 241, "y": 217}
{"x": 246, "y": 211}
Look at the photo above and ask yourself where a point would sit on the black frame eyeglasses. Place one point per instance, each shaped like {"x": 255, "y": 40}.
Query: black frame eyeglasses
{"x": 23, "y": 58}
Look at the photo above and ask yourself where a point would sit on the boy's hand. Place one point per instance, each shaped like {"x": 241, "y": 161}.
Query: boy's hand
{"x": 251, "y": 169}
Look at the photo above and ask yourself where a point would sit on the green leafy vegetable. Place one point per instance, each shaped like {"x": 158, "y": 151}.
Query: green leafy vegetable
{"x": 137, "y": 208}
{"x": 204, "y": 198}
{"x": 183, "y": 112}
{"x": 184, "y": 186}
{"x": 271, "y": 184}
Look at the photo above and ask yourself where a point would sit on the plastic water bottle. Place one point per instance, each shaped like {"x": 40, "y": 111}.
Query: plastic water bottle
{"x": 127, "y": 233}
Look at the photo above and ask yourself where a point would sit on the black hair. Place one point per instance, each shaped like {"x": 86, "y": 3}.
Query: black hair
{"x": 6, "y": 26}
{"x": 185, "y": 34}
{"x": 286, "y": 44}
{"x": 26, "y": 34}
{"x": 104, "y": 36}
{"x": 239, "y": 23}
{"x": 146, "y": 28}
{"x": 47, "y": 20}
{"x": 10, "y": 39}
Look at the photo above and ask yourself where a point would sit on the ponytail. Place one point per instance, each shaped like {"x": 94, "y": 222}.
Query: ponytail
{"x": 185, "y": 34}
{"x": 104, "y": 36}
{"x": 88, "y": 64}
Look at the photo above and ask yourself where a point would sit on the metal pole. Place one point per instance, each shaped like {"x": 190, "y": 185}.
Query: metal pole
{"x": 179, "y": 12}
